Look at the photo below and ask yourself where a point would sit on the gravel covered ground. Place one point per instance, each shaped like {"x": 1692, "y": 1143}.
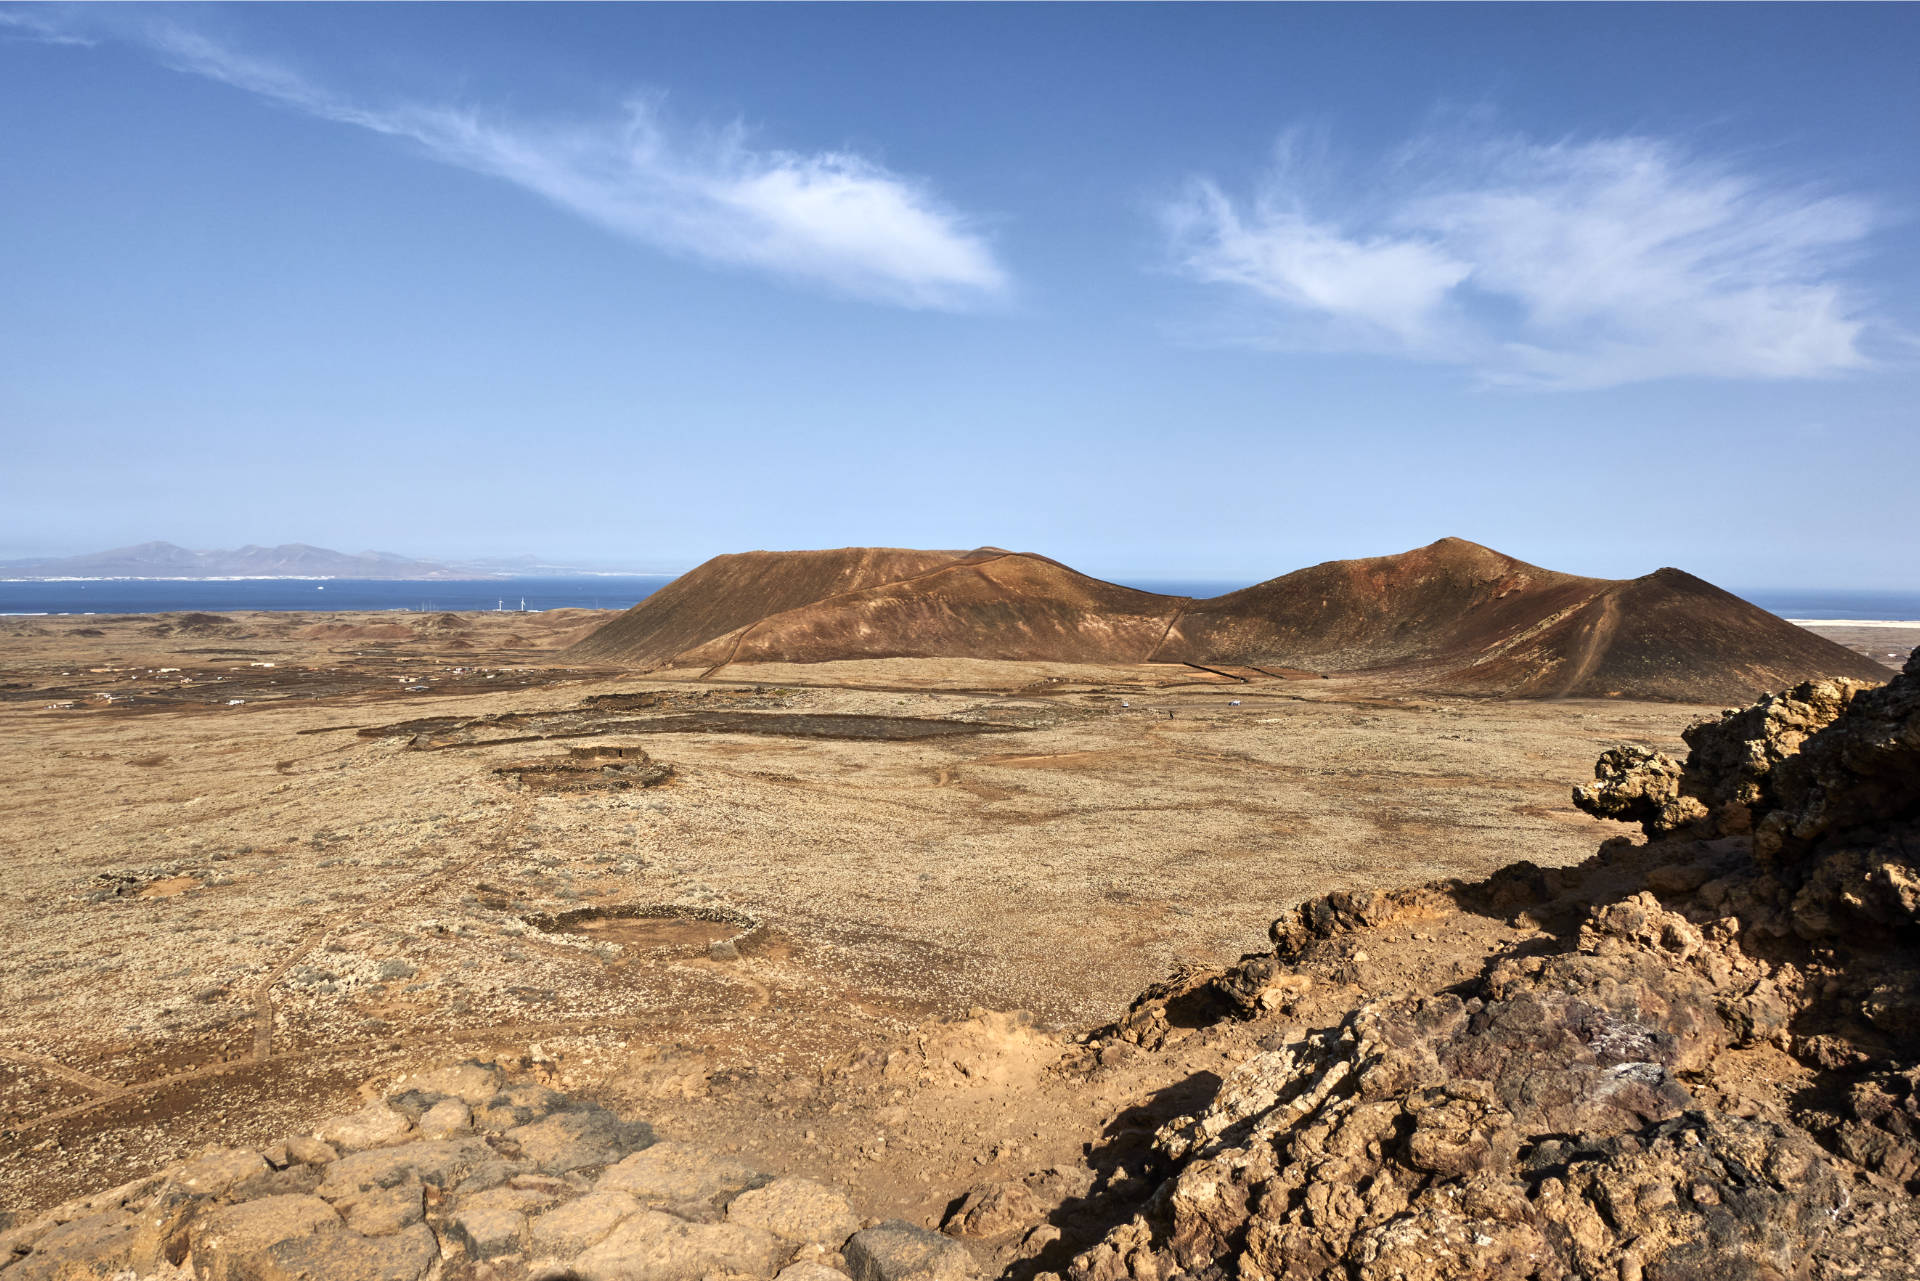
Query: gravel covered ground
{"x": 236, "y": 892}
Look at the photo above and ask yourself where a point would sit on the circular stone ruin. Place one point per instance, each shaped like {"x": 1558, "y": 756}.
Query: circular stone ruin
{"x": 686, "y": 929}
{"x": 595, "y": 767}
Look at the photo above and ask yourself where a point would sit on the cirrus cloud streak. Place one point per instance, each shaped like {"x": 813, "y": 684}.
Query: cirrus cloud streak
{"x": 833, "y": 219}
{"x": 1563, "y": 265}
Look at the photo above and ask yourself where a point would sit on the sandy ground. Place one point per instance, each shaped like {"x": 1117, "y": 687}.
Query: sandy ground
{"x": 237, "y": 892}
{"x": 1885, "y": 642}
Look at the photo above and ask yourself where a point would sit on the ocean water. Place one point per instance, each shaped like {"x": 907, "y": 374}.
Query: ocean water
{"x": 1814, "y": 604}
{"x": 214, "y": 596}
{"x": 1199, "y": 588}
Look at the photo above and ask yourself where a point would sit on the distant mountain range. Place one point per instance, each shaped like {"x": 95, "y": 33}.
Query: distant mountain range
{"x": 289, "y": 560}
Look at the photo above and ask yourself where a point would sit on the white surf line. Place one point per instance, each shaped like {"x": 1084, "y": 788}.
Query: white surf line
{"x": 1855, "y": 622}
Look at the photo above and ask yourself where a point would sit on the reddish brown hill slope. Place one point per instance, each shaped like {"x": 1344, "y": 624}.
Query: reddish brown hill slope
{"x": 1473, "y": 619}
{"x": 1666, "y": 635}
{"x": 730, "y": 592}
{"x": 1452, "y": 615}
{"x": 988, "y": 604}
{"x": 1447, "y": 601}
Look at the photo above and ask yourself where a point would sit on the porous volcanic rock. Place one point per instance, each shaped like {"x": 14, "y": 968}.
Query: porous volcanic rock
{"x": 1452, "y": 616}
{"x": 1730, "y": 770}
{"x": 1706, "y": 1066}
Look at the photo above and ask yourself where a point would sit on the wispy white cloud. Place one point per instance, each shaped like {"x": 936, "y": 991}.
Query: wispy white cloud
{"x": 42, "y": 27}
{"x": 829, "y": 218}
{"x": 1566, "y": 265}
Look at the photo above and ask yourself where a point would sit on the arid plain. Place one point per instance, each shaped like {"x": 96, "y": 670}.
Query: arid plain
{"x": 250, "y": 863}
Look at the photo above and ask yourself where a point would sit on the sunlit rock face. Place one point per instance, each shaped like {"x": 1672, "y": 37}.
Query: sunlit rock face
{"x": 1707, "y": 1065}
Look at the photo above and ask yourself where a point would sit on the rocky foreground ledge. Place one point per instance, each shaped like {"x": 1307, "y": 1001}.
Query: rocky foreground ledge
{"x": 1705, "y": 1066}
{"x": 466, "y": 1172}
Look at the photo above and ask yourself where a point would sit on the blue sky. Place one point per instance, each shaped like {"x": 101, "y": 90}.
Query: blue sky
{"x": 1158, "y": 290}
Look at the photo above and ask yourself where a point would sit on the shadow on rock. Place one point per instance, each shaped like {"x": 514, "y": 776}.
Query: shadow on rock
{"x": 1689, "y": 1058}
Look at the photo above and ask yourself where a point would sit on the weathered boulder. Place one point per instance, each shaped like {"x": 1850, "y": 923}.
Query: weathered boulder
{"x": 375, "y": 1125}
{"x": 898, "y": 1251}
{"x": 307, "y": 1150}
{"x": 90, "y": 1248}
{"x": 990, "y": 1210}
{"x": 1734, "y": 770}
{"x": 219, "y": 1170}
{"x": 233, "y": 1243}
{"x": 1639, "y": 785}
{"x": 1345, "y": 911}
{"x": 444, "y": 1119}
{"x": 1732, "y": 760}
{"x": 797, "y": 1210}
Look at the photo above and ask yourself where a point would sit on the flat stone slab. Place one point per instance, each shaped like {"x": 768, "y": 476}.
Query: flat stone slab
{"x": 680, "y": 1175}
{"x": 387, "y": 1210}
{"x": 519, "y": 1104}
{"x": 233, "y": 1243}
{"x": 373, "y": 1126}
{"x": 488, "y": 1233}
{"x": 811, "y": 1272}
{"x": 407, "y": 1255}
{"x": 651, "y": 1246}
{"x": 568, "y": 1229}
{"x": 578, "y": 1138}
{"x": 441, "y": 1162}
{"x": 472, "y": 1082}
{"x": 214, "y": 1173}
{"x": 94, "y": 1246}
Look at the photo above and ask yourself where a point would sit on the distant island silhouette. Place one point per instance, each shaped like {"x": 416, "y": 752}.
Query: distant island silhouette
{"x": 289, "y": 560}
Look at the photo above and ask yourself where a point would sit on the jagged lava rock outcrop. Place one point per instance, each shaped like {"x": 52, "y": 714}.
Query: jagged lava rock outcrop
{"x": 1705, "y": 1066}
